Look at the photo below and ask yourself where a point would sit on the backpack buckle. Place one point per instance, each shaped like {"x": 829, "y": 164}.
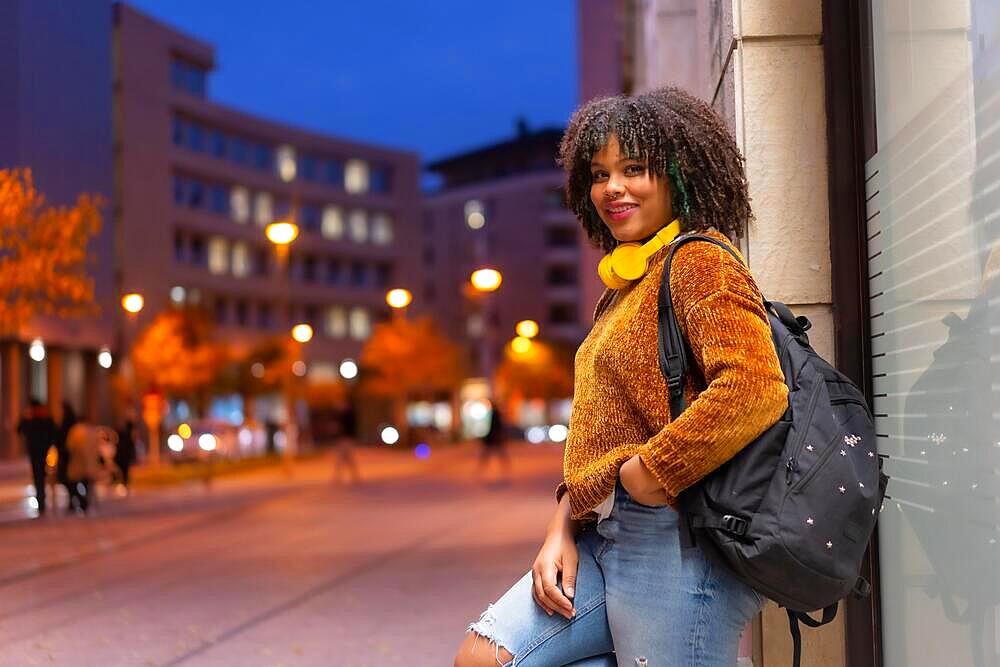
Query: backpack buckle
{"x": 675, "y": 385}
{"x": 734, "y": 524}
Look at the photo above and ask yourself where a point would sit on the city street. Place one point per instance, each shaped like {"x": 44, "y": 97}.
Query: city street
{"x": 277, "y": 567}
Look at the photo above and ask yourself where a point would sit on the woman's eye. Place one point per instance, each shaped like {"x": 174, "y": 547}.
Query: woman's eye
{"x": 634, "y": 169}
{"x": 598, "y": 176}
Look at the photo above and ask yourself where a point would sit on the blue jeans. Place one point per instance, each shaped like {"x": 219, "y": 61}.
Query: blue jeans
{"x": 638, "y": 594}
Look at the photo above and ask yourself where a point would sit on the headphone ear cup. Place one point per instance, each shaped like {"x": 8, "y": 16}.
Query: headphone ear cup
{"x": 607, "y": 273}
{"x": 629, "y": 261}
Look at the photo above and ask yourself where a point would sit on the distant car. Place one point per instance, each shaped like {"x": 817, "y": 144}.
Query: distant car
{"x": 209, "y": 437}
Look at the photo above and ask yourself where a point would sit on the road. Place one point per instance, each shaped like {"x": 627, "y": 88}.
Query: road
{"x": 277, "y": 567}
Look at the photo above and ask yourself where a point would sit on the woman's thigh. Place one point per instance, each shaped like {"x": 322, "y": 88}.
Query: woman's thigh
{"x": 534, "y": 638}
{"x": 668, "y": 604}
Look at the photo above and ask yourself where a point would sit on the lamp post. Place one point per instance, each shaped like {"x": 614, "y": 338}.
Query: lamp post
{"x": 149, "y": 410}
{"x": 485, "y": 281}
{"x": 281, "y": 234}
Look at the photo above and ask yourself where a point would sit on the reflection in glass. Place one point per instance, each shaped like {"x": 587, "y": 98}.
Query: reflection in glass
{"x": 933, "y": 209}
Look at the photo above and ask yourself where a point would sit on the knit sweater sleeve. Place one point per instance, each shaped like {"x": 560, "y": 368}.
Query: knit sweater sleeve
{"x": 730, "y": 338}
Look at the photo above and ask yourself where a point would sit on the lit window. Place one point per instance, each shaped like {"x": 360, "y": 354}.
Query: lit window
{"x": 239, "y": 204}
{"x": 336, "y": 322}
{"x": 360, "y": 324}
{"x": 241, "y": 259}
{"x": 218, "y": 255}
{"x": 356, "y": 176}
{"x": 475, "y": 214}
{"x": 333, "y": 223}
{"x": 264, "y": 209}
{"x": 382, "y": 229}
{"x": 359, "y": 226}
{"x": 286, "y": 163}
{"x": 178, "y": 294}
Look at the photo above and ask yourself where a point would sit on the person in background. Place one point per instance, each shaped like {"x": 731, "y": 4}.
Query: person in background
{"x": 346, "y": 427}
{"x": 39, "y": 432}
{"x": 495, "y": 445}
{"x": 125, "y": 453}
{"x": 84, "y": 464}
{"x": 68, "y": 419}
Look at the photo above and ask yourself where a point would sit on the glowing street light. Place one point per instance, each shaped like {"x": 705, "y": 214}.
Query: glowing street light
{"x": 398, "y": 298}
{"x": 302, "y": 333}
{"x": 521, "y": 345}
{"x": 527, "y": 328}
{"x": 104, "y": 358}
{"x": 37, "y": 350}
{"x": 133, "y": 302}
{"x": 348, "y": 369}
{"x": 281, "y": 233}
{"x": 486, "y": 280}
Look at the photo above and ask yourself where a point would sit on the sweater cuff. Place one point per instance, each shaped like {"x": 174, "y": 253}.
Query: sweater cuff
{"x": 667, "y": 470}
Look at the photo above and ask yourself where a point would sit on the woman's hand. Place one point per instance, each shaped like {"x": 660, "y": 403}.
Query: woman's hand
{"x": 558, "y": 554}
{"x": 641, "y": 484}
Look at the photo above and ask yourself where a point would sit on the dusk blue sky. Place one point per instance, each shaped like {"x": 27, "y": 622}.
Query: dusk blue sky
{"x": 436, "y": 77}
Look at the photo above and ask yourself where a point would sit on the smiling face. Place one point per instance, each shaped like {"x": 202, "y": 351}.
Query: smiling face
{"x": 631, "y": 200}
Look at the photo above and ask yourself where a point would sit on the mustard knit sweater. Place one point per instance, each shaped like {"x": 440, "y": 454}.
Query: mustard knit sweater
{"x": 735, "y": 389}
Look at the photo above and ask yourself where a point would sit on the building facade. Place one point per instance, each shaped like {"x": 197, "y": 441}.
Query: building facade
{"x": 63, "y": 132}
{"x": 190, "y": 186}
{"x": 502, "y": 206}
{"x": 199, "y": 183}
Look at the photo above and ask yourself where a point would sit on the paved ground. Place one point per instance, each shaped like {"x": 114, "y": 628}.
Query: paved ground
{"x": 276, "y": 567}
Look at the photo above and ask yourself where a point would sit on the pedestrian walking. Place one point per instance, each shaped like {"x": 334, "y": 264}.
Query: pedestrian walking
{"x": 69, "y": 418}
{"x": 612, "y": 583}
{"x": 85, "y": 467}
{"x": 346, "y": 429}
{"x": 39, "y": 432}
{"x": 494, "y": 446}
{"x": 125, "y": 452}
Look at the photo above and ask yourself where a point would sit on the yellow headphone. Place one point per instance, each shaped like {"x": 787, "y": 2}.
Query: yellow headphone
{"x": 629, "y": 261}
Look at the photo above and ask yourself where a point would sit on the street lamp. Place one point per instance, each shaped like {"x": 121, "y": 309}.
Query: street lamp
{"x": 133, "y": 303}
{"x": 527, "y": 328}
{"x": 398, "y": 298}
{"x": 281, "y": 233}
{"x": 302, "y": 333}
{"x": 486, "y": 280}
{"x": 521, "y": 345}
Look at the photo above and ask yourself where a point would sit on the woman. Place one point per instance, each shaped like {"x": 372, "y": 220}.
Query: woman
{"x": 611, "y": 583}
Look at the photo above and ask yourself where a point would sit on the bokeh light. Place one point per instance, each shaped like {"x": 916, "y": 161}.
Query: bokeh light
{"x": 422, "y": 451}
{"x": 175, "y": 443}
{"x": 390, "y": 435}
{"x": 558, "y": 432}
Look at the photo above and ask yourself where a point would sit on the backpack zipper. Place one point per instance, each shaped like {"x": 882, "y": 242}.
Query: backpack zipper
{"x": 791, "y": 465}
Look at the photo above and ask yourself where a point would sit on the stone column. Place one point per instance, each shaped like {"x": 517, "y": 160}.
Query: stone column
{"x": 11, "y": 396}
{"x": 54, "y": 379}
{"x": 780, "y": 113}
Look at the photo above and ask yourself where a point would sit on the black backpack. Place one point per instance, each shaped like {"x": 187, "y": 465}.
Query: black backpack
{"x": 792, "y": 512}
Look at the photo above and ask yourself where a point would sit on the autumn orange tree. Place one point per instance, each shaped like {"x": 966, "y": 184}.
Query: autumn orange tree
{"x": 178, "y": 354}
{"x": 43, "y": 253}
{"x": 409, "y": 359}
{"x": 542, "y": 371}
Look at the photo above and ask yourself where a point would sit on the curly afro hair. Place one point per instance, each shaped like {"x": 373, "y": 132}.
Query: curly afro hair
{"x": 679, "y": 137}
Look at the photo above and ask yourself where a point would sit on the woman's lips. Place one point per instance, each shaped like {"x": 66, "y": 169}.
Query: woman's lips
{"x": 621, "y": 212}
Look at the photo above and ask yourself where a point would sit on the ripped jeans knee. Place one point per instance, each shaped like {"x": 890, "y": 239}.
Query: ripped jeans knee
{"x": 485, "y": 628}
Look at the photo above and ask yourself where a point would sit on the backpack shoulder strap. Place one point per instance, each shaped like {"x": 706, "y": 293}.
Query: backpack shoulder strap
{"x": 672, "y": 348}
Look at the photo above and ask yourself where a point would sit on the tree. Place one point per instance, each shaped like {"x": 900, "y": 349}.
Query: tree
{"x": 407, "y": 359}
{"x": 542, "y": 371}
{"x": 43, "y": 253}
{"x": 177, "y": 354}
